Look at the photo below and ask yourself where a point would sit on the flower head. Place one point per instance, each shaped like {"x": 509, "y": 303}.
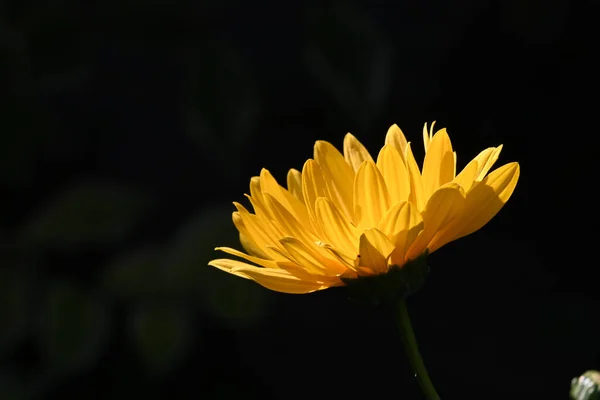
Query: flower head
{"x": 348, "y": 216}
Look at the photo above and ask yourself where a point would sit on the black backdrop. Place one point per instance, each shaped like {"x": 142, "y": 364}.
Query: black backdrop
{"x": 128, "y": 128}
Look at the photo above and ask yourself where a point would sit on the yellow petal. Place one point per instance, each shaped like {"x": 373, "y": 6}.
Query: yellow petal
{"x": 401, "y": 224}
{"x": 256, "y": 194}
{"x": 255, "y": 260}
{"x": 394, "y": 173}
{"x": 288, "y": 223}
{"x": 400, "y": 217}
{"x": 354, "y": 152}
{"x": 467, "y": 176}
{"x": 445, "y": 205}
{"x": 427, "y": 135}
{"x": 486, "y": 160}
{"x": 246, "y": 239}
{"x": 261, "y": 230}
{"x": 294, "y": 184}
{"x": 346, "y": 260}
{"x": 269, "y": 185}
{"x": 338, "y": 231}
{"x": 396, "y": 139}
{"x": 454, "y": 172}
{"x": 375, "y": 248}
{"x": 487, "y": 198}
{"x": 371, "y": 199}
{"x": 308, "y": 258}
{"x": 339, "y": 175}
{"x": 417, "y": 196}
{"x": 438, "y": 167}
{"x": 313, "y": 187}
{"x": 276, "y": 279}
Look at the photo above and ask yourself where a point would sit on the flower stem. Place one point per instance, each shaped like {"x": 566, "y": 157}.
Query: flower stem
{"x": 412, "y": 350}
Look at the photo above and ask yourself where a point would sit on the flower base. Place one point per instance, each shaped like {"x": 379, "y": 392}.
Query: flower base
{"x": 391, "y": 287}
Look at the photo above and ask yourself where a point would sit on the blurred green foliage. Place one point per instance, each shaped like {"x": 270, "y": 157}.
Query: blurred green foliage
{"x": 89, "y": 258}
{"x": 83, "y": 215}
{"x": 73, "y": 327}
{"x": 14, "y": 307}
{"x": 160, "y": 335}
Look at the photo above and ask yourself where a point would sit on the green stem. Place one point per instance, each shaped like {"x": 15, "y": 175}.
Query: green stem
{"x": 412, "y": 350}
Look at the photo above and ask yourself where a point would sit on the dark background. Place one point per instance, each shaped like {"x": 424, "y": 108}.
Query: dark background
{"x": 128, "y": 128}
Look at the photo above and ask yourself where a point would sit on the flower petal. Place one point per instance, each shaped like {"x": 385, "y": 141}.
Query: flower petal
{"x": 246, "y": 239}
{"x": 487, "y": 198}
{"x": 486, "y": 160}
{"x": 310, "y": 259}
{"x": 371, "y": 199}
{"x": 346, "y": 260}
{"x": 467, "y": 176}
{"x": 313, "y": 187}
{"x": 402, "y": 223}
{"x": 354, "y": 152}
{"x": 374, "y": 249}
{"x": 427, "y": 135}
{"x": 276, "y": 279}
{"x": 339, "y": 175}
{"x": 394, "y": 173}
{"x": 417, "y": 196}
{"x": 445, "y": 205}
{"x": 263, "y": 234}
{"x": 269, "y": 185}
{"x": 438, "y": 167}
{"x": 290, "y": 226}
{"x": 400, "y": 217}
{"x": 339, "y": 232}
{"x": 396, "y": 139}
{"x": 256, "y": 260}
{"x": 294, "y": 184}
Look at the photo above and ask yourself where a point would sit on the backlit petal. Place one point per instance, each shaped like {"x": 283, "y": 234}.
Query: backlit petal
{"x": 486, "y": 160}
{"x": 247, "y": 257}
{"x": 487, "y": 198}
{"x": 276, "y": 279}
{"x": 338, "y": 174}
{"x": 400, "y": 217}
{"x": 438, "y": 167}
{"x": 246, "y": 239}
{"x": 417, "y": 196}
{"x": 313, "y": 187}
{"x": 394, "y": 173}
{"x": 467, "y": 176}
{"x": 444, "y": 206}
{"x": 354, "y": 152}
{"x": 294, "y": 184}
{"x": 396, "y": 139}
{"x": 338, "y": 230}
{"x": 269, "y": 185}
{"x": 288, "y": 223}
{"x": 374, "y": 249}
{"x": 262, "y": 234}
{"x": 307, "y": 257}
{"x": 402, "y": 223}
{"x": 427, "y": 135}
{"x": 371, "y": 199}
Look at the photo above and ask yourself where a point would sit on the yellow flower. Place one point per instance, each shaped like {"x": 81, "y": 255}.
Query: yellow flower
{"x": 347, "y": 215}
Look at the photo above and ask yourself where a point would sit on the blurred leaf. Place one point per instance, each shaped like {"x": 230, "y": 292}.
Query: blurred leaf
{"x": 236, "y": 300}
{"x": 74, "y": 327}
{"x": 222, "y": 102}
{"x": 350, "y": 58}
{"x": 14, "y": 299}
{"x": 10, "y": 387}
{"x": 161, "y": 336}
{"x": 136, "y": 273}
{"x": 86, "y": 214}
